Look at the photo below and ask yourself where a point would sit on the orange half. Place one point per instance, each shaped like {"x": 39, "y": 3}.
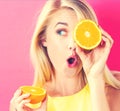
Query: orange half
{"x": 37, "y": 94}
{"x": 87, "y": 34}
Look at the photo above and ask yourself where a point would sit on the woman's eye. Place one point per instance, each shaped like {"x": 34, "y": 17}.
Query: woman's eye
{"x": 61, "y": 32}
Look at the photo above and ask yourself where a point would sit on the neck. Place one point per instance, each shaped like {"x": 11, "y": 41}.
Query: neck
{"x": 64, "y": 86}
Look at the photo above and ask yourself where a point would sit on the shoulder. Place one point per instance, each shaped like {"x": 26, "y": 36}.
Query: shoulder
{"x": 112, "y": 89}
{"x": 113, "y": 94}
{"x": 116, "y": 74}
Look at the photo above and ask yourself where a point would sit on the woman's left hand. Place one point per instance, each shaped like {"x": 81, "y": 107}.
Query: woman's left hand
{"x": 94, "y": 61}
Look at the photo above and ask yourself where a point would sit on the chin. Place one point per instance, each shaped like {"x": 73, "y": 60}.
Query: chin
{"x": 70, "y": 72}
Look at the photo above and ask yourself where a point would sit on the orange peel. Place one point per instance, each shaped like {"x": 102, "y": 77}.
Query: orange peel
{"x": 87, "y": 34}
{"x": 37, "y": 94}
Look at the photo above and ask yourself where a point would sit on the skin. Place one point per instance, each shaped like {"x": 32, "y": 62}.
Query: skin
{"x": 59, "y": 38}
{"x": 60, "y": 46}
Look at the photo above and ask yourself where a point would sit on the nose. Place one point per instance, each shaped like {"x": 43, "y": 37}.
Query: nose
{"x": 72, "y": 45}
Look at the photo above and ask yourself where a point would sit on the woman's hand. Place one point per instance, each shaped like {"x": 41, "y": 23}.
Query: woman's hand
{"x": 94, "y": 61}
{"x": 18, "y": 103}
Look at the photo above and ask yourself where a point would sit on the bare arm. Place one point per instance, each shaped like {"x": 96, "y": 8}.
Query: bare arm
{"x": 98, "y": 95}
{"x": 94, "y": 63}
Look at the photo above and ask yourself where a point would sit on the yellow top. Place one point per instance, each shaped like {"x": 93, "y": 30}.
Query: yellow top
{"x": 76, "y": 102}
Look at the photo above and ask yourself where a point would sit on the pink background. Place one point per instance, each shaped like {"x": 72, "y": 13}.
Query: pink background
{"x": 17, "y": 21}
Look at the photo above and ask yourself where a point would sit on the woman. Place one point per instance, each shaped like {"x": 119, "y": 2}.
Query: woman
{"x": 75, "y": 80}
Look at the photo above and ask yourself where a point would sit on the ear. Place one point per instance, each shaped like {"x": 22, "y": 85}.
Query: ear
{"x": 44, "y": 43}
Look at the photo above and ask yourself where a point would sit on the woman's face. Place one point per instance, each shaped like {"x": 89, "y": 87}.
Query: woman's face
{"x": 59, "y": 42}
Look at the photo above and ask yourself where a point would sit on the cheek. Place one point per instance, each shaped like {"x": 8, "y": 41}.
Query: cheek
{"x": 56, "y": 53}
{"x": 54, "y": 56}
{"x": 56, "y": 46}
{"x": 54, "y": 50}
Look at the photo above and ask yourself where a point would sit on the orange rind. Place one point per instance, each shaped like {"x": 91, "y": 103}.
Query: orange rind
{"x": 87, "y": 34}
{"x": 37, "y": 94}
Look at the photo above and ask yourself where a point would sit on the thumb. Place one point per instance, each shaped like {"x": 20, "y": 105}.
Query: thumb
{"x": 43, "y": 106}
{"x": 81, "y": 53}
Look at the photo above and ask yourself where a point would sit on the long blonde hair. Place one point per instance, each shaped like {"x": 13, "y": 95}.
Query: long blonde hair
{"x": 42, "y": 65}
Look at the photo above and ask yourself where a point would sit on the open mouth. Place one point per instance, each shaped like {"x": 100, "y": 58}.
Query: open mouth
{"x": 72, "y": 61}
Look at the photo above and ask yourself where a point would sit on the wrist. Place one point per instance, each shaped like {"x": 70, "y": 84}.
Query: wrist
{"x": 96, "y": 82}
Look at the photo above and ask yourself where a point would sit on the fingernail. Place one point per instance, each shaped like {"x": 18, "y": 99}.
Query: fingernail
{"x": 102, "y": 43}
{"x": 28, "y": 100}
{"x": 28, "y": 94}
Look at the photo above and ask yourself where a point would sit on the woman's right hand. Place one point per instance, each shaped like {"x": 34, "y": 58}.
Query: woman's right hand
{"x": 94, "y": 61}
{"x": 18, "y": 102}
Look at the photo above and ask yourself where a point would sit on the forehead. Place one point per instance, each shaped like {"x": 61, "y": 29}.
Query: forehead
{"x": 63, "y": 15}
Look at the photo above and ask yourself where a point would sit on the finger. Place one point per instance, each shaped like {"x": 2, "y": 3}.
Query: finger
{"x": 79, "y": 51}
{"x": 106, "y": 42}
{"x": 83, "y": 54}
{"x": 43, "y": 106}
{"x": 108, "y": 45}
{"x": 18, "y": 100}
{"x": 105, "y": 34}
{"x": 17, "y": 93}
{"x": 23, "y": 103}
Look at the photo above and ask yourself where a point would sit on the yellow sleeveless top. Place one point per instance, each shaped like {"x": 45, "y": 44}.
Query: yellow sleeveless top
{"x": 76, "y": 102}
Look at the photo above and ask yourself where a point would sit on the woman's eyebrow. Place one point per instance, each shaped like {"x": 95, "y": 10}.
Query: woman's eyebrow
{"x": 61, "y": 23}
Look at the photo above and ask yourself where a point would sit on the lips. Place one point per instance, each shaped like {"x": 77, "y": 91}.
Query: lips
{"x": 72, "y": 61}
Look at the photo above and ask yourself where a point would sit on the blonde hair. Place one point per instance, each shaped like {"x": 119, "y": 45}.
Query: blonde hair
{"x": 42, "y": 65}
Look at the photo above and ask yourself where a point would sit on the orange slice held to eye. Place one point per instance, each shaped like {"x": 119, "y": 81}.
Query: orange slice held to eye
{"x": 37, "y": 95}
{"x": 87, "y": 34}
